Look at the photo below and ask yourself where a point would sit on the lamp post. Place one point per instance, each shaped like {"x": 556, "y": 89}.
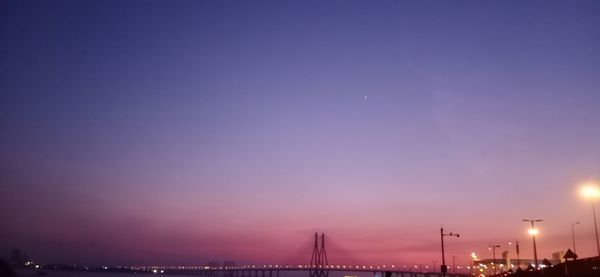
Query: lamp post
{"x": 493, "y": 248}
{"x": 517, "y": 250}
{"x": 592, "y": 192}
{"x": 573, "y": 236}
{"x": 444, "y": 268}
{"x": 534, "y": 232}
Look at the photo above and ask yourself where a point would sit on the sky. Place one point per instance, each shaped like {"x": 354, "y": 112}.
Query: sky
{"x": 182, "y": 132}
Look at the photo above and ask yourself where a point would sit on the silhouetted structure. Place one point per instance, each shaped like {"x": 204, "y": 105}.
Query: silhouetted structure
{"x": 319, "y": 255}
{"x": 570, "y": 255}
{"x": 581, "y": 268}
{"x": 319, "y": 260}
{"x": 6, "y": 270}
{"x": 17, "y": 259}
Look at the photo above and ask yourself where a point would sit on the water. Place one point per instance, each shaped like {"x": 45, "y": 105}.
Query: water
{"x": 59, "y": 273}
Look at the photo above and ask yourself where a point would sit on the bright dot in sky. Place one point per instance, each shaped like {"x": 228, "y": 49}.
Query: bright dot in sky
{"x": 365, "y": 97}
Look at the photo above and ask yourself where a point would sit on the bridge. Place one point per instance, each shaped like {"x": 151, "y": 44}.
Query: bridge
{"x": 318, "y": 267}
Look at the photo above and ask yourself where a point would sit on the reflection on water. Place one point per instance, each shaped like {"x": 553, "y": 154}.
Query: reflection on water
{"x": 318, "y": 273}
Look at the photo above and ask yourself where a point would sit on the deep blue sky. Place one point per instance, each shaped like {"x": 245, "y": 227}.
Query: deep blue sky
{"x": 187, "y": 123}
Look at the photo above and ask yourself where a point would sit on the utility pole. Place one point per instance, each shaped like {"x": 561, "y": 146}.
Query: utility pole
{"x": 573, "y": 236}
{"x": 444, "y": 267}
{"x": 518, "y": 258}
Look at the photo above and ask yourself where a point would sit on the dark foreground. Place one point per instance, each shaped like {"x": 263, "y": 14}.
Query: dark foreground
{"x": 579, "y": 268}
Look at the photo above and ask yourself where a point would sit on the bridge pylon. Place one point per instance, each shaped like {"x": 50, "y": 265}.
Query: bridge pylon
{"x": 318, "y": 259}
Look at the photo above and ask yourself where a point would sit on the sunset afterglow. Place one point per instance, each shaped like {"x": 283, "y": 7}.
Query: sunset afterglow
{"x": 184, "y": 132}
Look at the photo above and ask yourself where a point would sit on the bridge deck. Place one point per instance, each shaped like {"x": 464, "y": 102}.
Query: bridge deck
{"x": 313, "y": 272}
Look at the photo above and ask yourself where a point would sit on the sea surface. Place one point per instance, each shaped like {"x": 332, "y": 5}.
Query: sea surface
{"x": 60, "y": 273}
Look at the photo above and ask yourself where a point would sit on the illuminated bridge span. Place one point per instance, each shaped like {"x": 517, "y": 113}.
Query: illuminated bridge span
{"x": 274, "y": 270}
{"x": 318, "y": 267}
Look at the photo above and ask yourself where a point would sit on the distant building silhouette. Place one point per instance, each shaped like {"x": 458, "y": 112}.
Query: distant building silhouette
{"x": 17, "y": 259}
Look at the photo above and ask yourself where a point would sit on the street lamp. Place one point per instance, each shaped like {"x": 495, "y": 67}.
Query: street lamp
{"x": 493, "y": 248}
{"x": 517, "y": 249}
{"x": 573, "y": 236}
{"x": 534, "y": 232}
{"x": 591, "y": 191}
{"x": 444, "y": 268}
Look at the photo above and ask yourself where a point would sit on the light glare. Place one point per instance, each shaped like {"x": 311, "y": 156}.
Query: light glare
{"x": 533, "y": 232}
{"x": 590, "y": 190}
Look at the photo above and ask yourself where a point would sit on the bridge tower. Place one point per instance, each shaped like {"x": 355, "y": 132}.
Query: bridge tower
{"x": 319, "y": 255}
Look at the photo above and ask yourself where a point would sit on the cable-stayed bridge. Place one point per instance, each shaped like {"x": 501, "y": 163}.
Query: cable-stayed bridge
{"x": 319, "y": 266}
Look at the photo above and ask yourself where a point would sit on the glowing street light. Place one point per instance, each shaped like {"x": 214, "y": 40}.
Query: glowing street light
{"x": 534, "y": 232}
{"x": 592, "y": 192}
{"x": 493, "y": 248}
{"x": 517, "y": 250}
